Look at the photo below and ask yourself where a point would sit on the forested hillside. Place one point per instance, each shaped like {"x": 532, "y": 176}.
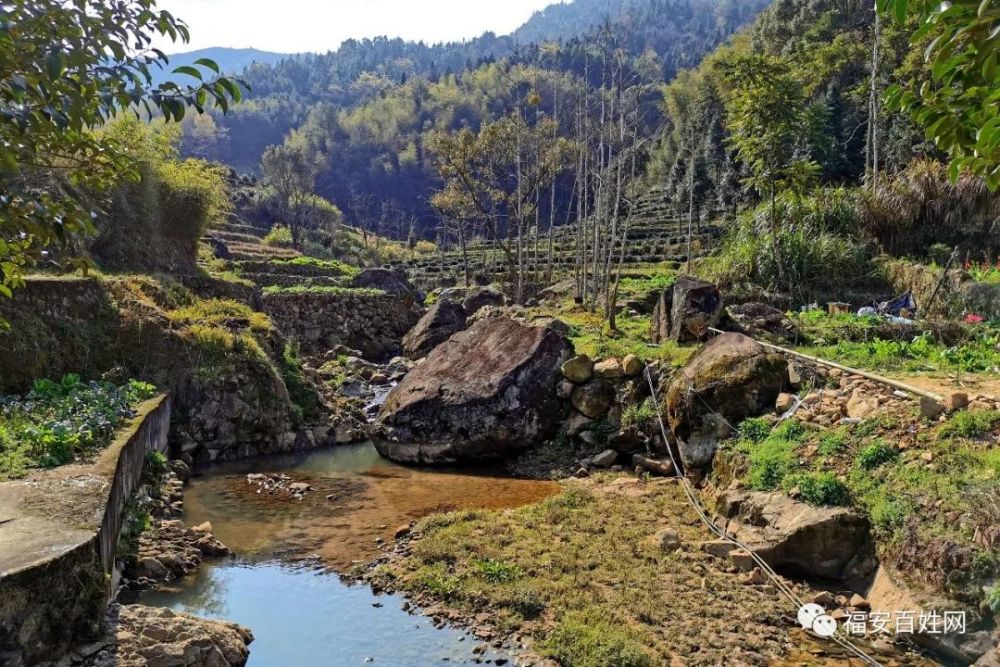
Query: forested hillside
{"x": 366, "y": 110}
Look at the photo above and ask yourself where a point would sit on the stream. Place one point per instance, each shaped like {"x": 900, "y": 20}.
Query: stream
{"x": 284, "y": 583}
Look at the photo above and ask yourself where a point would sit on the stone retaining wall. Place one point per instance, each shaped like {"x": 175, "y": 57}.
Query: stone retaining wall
{"x": 58, "y": 542}
{"x": 370, "y": 322}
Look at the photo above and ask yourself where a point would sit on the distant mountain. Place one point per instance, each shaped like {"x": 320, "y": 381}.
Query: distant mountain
{"x": 230, "y": 61}
{"x": 565, "y": 20}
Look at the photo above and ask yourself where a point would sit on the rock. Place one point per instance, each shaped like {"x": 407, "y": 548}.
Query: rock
{"x": 565, "y": 389}
{"x": 587, "y": 437}
{"x": 784, "y": 403}
{"x": 667, "y": 539}
{"x": 823, "y": 599}
{"x": 760, "y": 320}
{"x": 401, "y": 532}
{"x": 956, "y": 401}
{"x": 151, "y": 568}
{"x": 487, "y": 392}
{"x": 391, "y": 281}
{"x": 154, "y": 636}
{"x": 181, "y": 469}
{"x": 205, "y": 527}
{"x": 930, "y": 409}
{"x": 655, "y": 466}
{"x": 439, "y": 323}
{"x": 632, "y": 365}
{"x": 861, "y": 405}
{"x": 484, "y": 296}
{"x": 609, "y": 369}
{"x": 659, "y": 329}
{"x": 742, "y": 559}
{"x": 718, "y": 548}
{"x": 818, "y": 541}
{"x": 575, "y": 424}
{"x": 732, "y": 377}
{"x": 579, "y": 369}
{"x": 695, "y": 306}
{"x": 593, "y": 399}
{"x": 605, "y": 459}
{"x": 859, "y": 602}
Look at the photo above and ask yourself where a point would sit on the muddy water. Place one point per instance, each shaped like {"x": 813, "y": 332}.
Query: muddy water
{"x": 305, "y": 615}
{"x": 357, "y": 498}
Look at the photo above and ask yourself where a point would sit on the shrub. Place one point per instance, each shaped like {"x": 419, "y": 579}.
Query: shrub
{"x": 639, "y": 415}
{"x": 755, "y": 429}
{"x": 876, "y": 455}
{"x": 993, "y": 599}
{"x": 279, "y": 236}
{"x": 814, "y": 240}
{"x": 971, "y": 423}
{"x": 586, "y": 642}
{"x": 819, "y": 488}
{"x": 305, "y": 402}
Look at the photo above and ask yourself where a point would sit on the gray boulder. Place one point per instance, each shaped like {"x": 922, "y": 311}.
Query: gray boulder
{"x": 593, "y": 399}
{"x": 729, "y": 379}
{"x": 685, "y": 312}
{"x": 485, "y": 393}
{"x": 390, "y": 281}
{"x": 484, "y": 296}
{"x": 438, "y": 324}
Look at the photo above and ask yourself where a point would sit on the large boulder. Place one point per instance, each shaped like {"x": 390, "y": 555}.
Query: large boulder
{"x": 438, "y": 324}
{"x": 482, "y": 297}
{"x": 485, "y": 393}
{"x": 390, "y": 281}
{"x": 790, "y": 535}
{"x": 685, "y": 312}
{"x": 729, "y": 379}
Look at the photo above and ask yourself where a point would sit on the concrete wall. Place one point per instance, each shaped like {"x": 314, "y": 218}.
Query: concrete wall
{"x": 372, "y": 323}
{"x": 59, "y": 540}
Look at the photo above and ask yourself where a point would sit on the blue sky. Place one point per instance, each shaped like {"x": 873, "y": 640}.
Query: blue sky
{"x": 292, "y": 26}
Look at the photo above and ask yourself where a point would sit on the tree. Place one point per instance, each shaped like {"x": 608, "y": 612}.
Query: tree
{"x": 769, "y": 123}
{"x": 959, "y": 108}
{"x": 292, "y": 175}
{"x": 66, "y": 68}
{"x": 493, "y": 177}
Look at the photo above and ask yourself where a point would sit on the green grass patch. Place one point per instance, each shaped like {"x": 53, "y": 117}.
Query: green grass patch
{"x": 581, "y": 641}
{"x": 971, "y": 423}
{"x": 875, "y": 455}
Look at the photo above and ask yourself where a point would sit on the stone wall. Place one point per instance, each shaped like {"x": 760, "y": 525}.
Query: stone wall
{"x": 371, "y": 322}
{"x": 59, "y": 540}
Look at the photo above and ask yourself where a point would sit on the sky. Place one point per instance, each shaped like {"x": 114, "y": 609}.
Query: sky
{"x": 296, "y": 26}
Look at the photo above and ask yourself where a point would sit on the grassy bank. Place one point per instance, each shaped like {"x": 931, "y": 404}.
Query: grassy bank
{"x": 582, "y": 575}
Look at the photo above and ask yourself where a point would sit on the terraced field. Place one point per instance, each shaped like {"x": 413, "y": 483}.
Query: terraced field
{"x": 269, "y": 266}
{"x": 656, "y": 237}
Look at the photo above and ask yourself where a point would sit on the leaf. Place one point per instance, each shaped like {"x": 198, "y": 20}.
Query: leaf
{"x": 190, "y": 71}
{"x": 208, "y": 63}
{"x": 900, "y": 8}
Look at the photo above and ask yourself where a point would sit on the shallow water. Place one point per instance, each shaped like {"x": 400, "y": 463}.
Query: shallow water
{"x": 357, "y": 498}
{"x": 305, "y": 617}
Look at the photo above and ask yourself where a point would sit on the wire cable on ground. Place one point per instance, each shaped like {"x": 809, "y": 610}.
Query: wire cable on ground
{"x": 720, "y": 533}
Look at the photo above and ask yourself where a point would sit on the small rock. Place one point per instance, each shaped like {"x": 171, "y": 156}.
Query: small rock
{"x": 205, "y": 527}
{"x": 605, "y": 459}
{"x": 401, "y": 532}
{"x": 742, "y": 559}
{"x": 668, "y": 539}
{"x": 784, "y": 403}
{"x": 718, "y": 548}
{"x": 632, "y": 365}
{"x": 859, "y": 602}
{"x": 579, "y": 369}
{"x": 823, "y": 599}
{"x": 930, "y": 408}
{"x": 609, "y": 369}
{"x": 927, "y": 456}
{"x": 957, "y": 401}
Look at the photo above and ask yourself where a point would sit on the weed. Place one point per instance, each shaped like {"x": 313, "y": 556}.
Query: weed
{"x": 875, "y": 455}
{"x": 770, "y": 461}
{"x": 279, "y": 236}
{"x": 497, "y": 571}
{"x": 971, "y": 423}
{"x": 755, "y": 429}
{"x": 993, "y": 599}
{"x": 639, "y": 415}
{"x": 832, "y": 443}
{"x": 580, "y": 641}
